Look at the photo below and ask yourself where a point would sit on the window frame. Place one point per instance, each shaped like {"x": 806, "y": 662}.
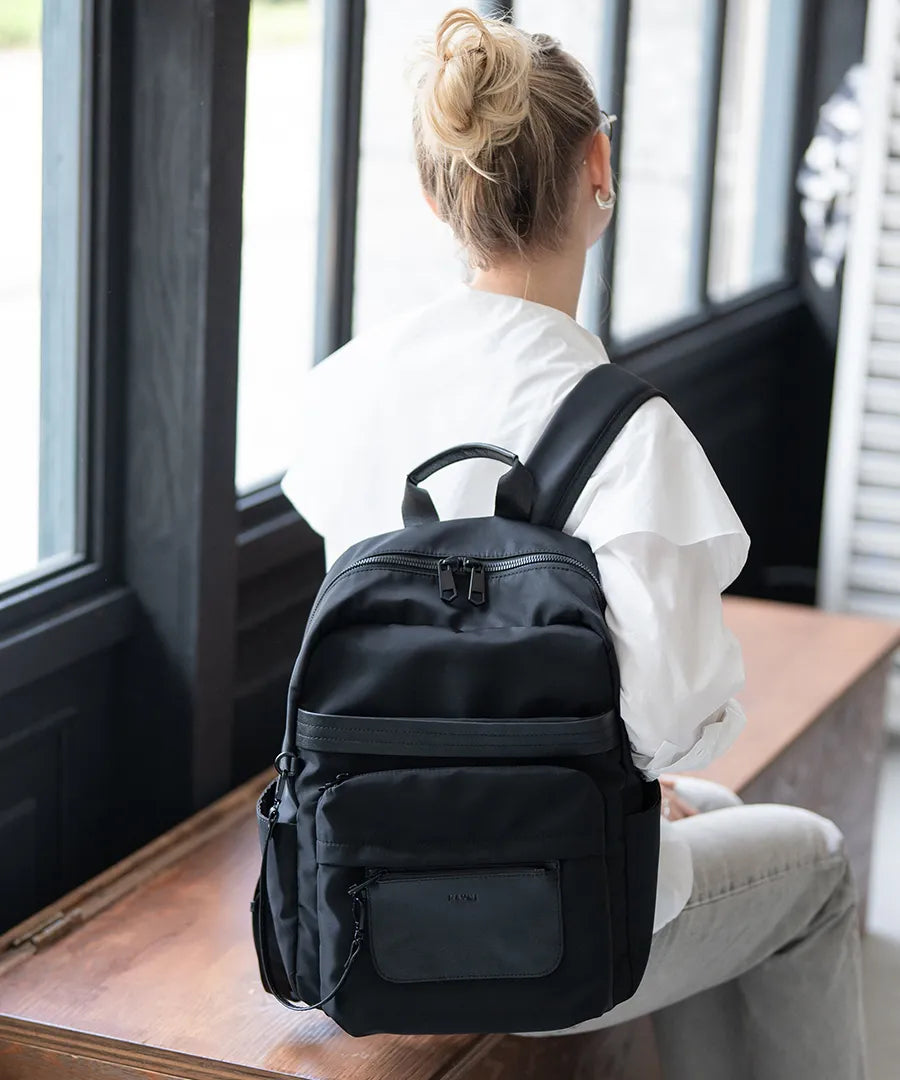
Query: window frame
{"x": 707, "y": 309}
{"x": 343, "y": 40}
{"x": 343, "y": 86}
{"x": 67, "y": 579}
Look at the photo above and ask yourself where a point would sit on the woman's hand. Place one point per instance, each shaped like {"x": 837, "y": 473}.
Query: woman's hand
{"x": 673, "y": 807}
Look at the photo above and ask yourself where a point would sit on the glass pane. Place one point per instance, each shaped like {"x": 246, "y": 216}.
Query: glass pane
{"x": 281, "y": 172}
{"x": 748, "y": 246}
{"x": 404, "y": 255}
{"x": 40, "y": 190}
{"x": 666, "y": 81}
{"x": 579, "y": 28}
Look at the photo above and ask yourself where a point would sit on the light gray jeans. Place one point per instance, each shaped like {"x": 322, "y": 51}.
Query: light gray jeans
{"x": 758, "y": 978}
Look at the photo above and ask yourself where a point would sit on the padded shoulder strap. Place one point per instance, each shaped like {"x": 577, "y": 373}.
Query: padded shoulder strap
{"x": 578, "y": 435}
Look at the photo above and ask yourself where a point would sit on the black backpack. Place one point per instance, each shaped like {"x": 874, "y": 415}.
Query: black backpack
{"x": 458, "y": 839}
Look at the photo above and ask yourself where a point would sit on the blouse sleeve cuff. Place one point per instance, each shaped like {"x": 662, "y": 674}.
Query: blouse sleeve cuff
{"x": 716, "y": 736}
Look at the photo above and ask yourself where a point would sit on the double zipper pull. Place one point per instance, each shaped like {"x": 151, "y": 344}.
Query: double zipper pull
{"x": 448, "y": 568}
{"x": 477, "y": 582}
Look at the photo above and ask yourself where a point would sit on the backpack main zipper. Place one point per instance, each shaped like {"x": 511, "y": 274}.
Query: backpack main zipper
{"x": 445, "y": 567}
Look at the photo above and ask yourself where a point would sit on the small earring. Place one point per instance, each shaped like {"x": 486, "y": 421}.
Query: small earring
{"x": 608, "y": 203}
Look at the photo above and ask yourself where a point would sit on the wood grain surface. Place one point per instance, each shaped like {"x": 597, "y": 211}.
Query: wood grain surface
{"x": 626, "y": 1052}
{"x": 19, "y": 1061}
{"x": 799, "y": 662}
{"x": 168, "y": 977}
{"x": 162, "y": 978}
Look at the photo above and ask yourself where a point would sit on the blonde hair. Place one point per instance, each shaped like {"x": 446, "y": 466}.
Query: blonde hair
{"x": 500, "y": 121}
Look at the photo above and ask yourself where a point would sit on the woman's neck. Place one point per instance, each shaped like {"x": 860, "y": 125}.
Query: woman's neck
{"x": 554, "y": 280}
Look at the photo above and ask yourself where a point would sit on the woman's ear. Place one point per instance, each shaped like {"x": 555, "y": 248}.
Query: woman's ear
{"x": 599, "y": 166}
{"x": 431, "y": 203}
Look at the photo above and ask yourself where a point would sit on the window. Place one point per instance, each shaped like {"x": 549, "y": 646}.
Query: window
{"x": 754, "y": 149}
{"x": 404, "y": 255}
{"x": 41, "y": 222}
{"x": 579, "y": 28}
{"x": 659, "y": 210}
{"x": 706, "y": 93}
{"x": 281, "y": 175}
{"x": 708, "y": 139}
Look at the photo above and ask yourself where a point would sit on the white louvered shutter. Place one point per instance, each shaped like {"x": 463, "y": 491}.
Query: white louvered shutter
{"x": 860, "y": 555}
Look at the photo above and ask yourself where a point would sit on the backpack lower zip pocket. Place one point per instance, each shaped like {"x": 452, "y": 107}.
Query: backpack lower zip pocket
{"x": 470, "y": 881}
{"x": 470, "y": 923}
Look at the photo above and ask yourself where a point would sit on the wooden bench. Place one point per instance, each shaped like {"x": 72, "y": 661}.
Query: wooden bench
{"x": 147, "y": 972}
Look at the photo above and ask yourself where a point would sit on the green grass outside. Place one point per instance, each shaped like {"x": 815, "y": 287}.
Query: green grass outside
{"x": 278, "y": 22}
{"x": 272, "y": 22}
{"x": 20, "y": 23}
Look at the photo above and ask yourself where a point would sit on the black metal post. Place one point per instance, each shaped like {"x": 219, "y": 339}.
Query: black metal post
{"x": 614, "y": 70}
{"x": 179, "y": 549}
{"x": 344, "y": 34}
{"x": 708, "y": 137}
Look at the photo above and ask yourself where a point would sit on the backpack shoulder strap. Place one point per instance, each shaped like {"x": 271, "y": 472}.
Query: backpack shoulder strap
{"x": 578, "y": 435}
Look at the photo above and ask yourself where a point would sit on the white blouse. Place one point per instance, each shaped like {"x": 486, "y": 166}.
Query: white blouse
{"x": 473, "y": 366}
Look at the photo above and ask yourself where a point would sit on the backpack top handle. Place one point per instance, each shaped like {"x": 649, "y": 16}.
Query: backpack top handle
{"x": 577, "y": 436}
{"x": 515, "y": 489}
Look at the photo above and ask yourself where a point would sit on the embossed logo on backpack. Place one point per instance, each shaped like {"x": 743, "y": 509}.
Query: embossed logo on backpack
{"x": 462, "y": 897}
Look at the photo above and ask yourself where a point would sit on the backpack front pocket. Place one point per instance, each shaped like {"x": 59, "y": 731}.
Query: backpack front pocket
{"x": 485, "y": 923}
{"x": 466, "y": 884}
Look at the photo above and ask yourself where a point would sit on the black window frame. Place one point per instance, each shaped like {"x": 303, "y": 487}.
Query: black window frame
{"x": 64, "y": 581}
{"x": 624, "y": 349}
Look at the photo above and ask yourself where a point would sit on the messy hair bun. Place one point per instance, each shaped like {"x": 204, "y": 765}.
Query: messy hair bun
{"x": 500, "y": 119}
{"x": 476, "y": 95}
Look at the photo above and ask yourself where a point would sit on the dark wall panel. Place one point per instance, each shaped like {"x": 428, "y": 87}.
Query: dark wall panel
{"x": 59, "y": 818}
{"x": 273, "y": 607}
{"x": 179, "y": 551}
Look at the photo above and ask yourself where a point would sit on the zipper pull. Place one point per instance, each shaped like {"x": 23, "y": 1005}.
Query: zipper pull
{"x": 358, "y": 897}
{"x": 477, "y": 582}
{"x": 371, "y": 879}
{"x": 446, "y": 581}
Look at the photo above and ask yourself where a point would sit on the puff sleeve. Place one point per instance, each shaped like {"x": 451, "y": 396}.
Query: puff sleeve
{"x": 667, "y": 542}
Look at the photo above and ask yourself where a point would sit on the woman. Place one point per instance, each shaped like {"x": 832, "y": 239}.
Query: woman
{"x": 754, "y": 969}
